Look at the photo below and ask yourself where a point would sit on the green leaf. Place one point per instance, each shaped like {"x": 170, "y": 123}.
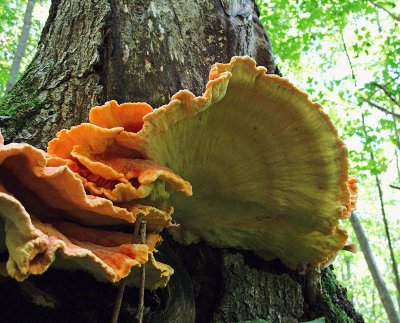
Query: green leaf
{"x": 318, "y": 320}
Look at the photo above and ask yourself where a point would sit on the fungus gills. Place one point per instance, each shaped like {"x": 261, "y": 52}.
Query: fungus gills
{"x": 268, "y": 170}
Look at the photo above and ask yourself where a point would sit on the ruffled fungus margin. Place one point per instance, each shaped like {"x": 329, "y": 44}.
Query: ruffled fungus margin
{"x": 268, "y": 170}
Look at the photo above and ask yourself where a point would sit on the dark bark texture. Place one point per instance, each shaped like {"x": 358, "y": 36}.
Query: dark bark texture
{"x": 94, "y": 51}
{"x": 209, "y": 285}
{"x": 282, "y": 300}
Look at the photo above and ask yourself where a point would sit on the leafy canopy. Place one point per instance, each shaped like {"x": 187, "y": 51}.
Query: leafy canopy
{"x": 345, "y": 54}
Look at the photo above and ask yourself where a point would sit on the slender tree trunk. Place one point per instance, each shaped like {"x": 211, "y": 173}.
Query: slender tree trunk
{"x": 23, "y": 40}
{"x": 94, "y": 51}
{"x": 373, "y": 268}
{"x": 396, "y": 135}
{"x": 373, "y": 304}
{"x": 389, "y": 239}
{"x": 348, "y": 268}
{"x": 355, "y": 223}
{"x": 385, "y": 222}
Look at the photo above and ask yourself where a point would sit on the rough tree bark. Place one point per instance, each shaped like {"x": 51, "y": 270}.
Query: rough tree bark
{"x": 94, "y": 51}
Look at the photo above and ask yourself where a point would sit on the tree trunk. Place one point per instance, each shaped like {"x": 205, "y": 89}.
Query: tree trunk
{"x": 94, "y": 51}
{"x": 23, "y": 40}
{"x": 396, "y": 275}
{"x": 373, "y": 268}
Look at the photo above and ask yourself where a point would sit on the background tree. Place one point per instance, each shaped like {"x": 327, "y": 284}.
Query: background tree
{"x": 22, "y": 43}
{"x": 344, "y": 53}
{"x": 12, "y": 14}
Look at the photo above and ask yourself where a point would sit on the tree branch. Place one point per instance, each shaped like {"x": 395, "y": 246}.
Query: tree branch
{"x": 140, "y": 310}
{"x": 348, "y": 59}
{"x": 393, "y": 99}
{"x": 122, "y": 284}
{"x": 380, "y": 108}
{"x": 394, "y": 186}
{"x": 384, "y": 9}
{"x": 388, "y": 94}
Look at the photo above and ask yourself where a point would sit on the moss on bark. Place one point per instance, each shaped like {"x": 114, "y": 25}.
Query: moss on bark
{"x": 335, "y": 305}
{"x": 18, "y": 105}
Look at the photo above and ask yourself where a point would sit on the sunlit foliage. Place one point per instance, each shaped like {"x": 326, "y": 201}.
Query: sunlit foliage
{"x": 346, "y": 55}
{"x": 11, "y": 21}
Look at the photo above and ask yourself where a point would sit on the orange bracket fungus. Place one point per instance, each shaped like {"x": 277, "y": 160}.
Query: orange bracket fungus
{"x": 268, "y": 171}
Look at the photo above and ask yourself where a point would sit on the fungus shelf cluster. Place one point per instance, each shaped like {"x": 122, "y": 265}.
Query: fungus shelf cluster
{"x": 268, "y": 171}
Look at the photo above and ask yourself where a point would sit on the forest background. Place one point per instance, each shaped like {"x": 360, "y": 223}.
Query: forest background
{"x": 346, "y": 56}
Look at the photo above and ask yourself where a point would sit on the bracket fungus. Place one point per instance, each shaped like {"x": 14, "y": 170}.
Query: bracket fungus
{"x": 268, "y": 171}
{"x": 45, "y": 211}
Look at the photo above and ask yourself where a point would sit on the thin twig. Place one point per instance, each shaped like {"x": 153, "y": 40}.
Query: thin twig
{"x": 380, "y": 108}
{"x": 349, "y": 60}
{"x": 122, "y": 284}
{"x": 138, "y": 223}
{"x": 386, "y": 84}
{"x": 140, "y": 312}
{"x": 397, "y": 137}
{"x": 388, "y": 94}
{"x": 118, "y": 301}
{"x": 394, "y": 186}
{"x": 384, "y": 9}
